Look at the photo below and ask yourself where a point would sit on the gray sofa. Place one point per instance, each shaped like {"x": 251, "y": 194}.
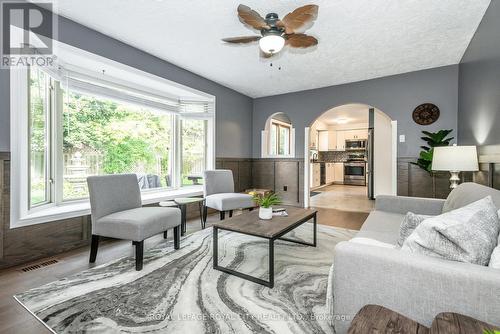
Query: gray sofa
{"x": 416, "y": 286}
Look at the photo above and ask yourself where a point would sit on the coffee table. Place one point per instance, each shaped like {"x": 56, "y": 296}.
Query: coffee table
{"x": 272, "y": 230}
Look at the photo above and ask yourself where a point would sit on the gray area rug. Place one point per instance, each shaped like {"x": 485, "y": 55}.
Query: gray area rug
{"x": 180, "y": 292}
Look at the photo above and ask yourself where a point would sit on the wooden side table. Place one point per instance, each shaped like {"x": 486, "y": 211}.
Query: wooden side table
{"x": 447, "y": 323}
{"x": 378, "y": 319}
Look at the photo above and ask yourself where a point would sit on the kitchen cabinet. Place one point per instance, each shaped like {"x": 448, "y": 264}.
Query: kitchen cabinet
{"x": 330, "y": 172}
{"x": 338, "y": 172}
{"x": 323, "y": 142}
{"x": 332, "y": 140}
{"x": 356, "y": 134}
{"x": 340, "y": 140}
{"x": 315, "y": 175}
{"x": 360, "y": 134}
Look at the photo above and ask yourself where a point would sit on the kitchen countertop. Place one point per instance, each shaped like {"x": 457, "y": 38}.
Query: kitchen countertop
{"x": 329, "y": 162}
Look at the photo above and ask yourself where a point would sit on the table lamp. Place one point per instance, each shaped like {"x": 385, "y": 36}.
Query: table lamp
{"x": 455, "y": 159}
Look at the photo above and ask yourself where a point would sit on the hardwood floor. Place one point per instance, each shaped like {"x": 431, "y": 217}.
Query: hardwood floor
{"x": 343, "y": 197}
{"x": 15, "y": 319}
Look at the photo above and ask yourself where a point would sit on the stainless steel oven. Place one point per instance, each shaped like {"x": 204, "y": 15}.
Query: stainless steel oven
{"x": 355, "y": 144}
{"x": 355, "y": 173}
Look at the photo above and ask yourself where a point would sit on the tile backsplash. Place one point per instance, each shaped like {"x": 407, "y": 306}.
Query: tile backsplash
{"x": 333, "y": 156}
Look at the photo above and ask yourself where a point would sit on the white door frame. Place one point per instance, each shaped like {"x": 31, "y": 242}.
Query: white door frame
{"x": 394, "y": 126}
{"x": 394, "y": 162}
{"x": 307, "y": 164}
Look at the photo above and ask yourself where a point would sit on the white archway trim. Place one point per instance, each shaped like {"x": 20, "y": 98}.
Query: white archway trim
{"x": 307, "y": 166}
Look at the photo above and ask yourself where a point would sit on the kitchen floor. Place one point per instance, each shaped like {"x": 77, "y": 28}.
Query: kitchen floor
{"x": 343, "y": 197}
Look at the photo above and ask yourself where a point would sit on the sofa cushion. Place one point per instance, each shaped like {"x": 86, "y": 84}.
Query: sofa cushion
{"x": 371, "y": 242}
{"x": 467, "y": 193}
{"x": 229, "y": 201}
{"x": 382, "y": 226}
{"x": 137, "y": 224}
{"x": 408, "y": 225}
{"x": 468, "y": 234}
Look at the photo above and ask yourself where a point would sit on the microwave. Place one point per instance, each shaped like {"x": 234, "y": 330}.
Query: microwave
{"x": 355, "y": 144}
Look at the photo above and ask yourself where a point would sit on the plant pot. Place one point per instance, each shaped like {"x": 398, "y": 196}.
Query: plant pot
{"x": 265, "y": 213}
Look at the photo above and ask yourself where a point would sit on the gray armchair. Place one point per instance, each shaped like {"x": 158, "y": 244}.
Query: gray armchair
{"x": 117, "y": 212}
{"x": 218, "y": 190}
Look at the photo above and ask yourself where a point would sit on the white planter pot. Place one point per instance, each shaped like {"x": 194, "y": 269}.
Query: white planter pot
{"x": 265, "y": 213}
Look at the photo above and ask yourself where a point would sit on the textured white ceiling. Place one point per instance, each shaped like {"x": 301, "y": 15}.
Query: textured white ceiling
{"x": 358, "y": 39}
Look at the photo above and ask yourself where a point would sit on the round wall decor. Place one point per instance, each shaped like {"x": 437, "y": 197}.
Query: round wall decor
{"x": 426, "y": 114}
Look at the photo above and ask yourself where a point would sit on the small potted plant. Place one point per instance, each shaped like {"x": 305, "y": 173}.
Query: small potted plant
{"x": 265, "y": 203}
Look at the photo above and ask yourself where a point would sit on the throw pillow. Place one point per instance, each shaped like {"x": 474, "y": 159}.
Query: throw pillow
{"x": 495, "y": 258}
{"x": 468, "y": 234}
{"x": 408, "y": 225}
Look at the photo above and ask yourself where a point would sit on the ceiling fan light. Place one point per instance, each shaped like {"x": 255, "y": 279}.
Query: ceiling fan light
{"x": 271, "y": 43}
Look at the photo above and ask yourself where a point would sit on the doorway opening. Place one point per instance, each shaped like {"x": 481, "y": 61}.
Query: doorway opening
{"x": 350, "y": 158}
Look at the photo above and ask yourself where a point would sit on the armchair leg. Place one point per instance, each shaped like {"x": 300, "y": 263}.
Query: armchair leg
{"x": 139, "y": 254}
{"x": 222, "y": 215}
{"x": 230, "y": 213}
{"x": 93, "y": 248}
{"x": 177, "y": 237}
{"x": 165, "y": 235}
{"x": 205, "y": 213}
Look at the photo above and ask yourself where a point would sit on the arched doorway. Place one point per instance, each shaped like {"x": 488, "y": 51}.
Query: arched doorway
{"x": 350, "y": 158}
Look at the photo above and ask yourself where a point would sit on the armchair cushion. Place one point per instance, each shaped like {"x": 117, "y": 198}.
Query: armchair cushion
{"x": 137, "y": 224}
{"x": 229, "y": 201}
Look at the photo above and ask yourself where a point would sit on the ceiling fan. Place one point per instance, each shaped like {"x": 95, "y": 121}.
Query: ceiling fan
{"x": 276, "y": 33}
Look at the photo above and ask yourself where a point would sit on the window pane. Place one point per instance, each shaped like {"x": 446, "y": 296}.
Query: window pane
{"x": 102, "y": 136}
{"x": 193, "y": 151}
{"x": 284, "y": 141}
{"x": 274, "y": 139}
{"x": 38, "y": 128}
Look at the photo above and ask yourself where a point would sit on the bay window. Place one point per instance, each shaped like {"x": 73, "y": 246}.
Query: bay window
{"x": 74, "y": 126}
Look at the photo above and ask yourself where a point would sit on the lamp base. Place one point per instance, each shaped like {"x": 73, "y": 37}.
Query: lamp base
{"x": 454, "y": 179}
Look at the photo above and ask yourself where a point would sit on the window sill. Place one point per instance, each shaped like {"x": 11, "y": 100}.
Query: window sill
{"x": 79, "y": 209}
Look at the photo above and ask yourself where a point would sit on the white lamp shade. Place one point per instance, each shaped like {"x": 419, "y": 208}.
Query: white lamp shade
{"x": 455, "y": 158}
{"x": 271, "y": 43}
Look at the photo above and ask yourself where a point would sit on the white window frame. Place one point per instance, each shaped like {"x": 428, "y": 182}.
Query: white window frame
{"x": 56, "y": 208}
{"x": 266, "y": 150}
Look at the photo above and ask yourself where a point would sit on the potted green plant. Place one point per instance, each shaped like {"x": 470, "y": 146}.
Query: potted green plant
{"x": 265, "y": 203}
{"x": 432, "y": 139}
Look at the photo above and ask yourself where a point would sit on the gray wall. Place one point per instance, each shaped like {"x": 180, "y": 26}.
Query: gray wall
{"x": 234, "y": 110}
{"x": 479, "y": 83}
{"x": 397, "y": 96}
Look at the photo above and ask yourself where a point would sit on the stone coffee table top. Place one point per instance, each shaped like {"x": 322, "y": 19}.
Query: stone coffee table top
{"x": 250, "y": 223}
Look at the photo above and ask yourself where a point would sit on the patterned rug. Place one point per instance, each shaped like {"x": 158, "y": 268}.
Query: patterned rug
{"x": 180, "y": 292}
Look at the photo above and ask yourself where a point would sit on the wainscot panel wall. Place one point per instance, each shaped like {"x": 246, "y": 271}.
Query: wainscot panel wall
{"x": 479, "y": 84}
{"x": 24, "y": 244}
{"x": 283, "y": 176}
{"x": 397, "y": 96}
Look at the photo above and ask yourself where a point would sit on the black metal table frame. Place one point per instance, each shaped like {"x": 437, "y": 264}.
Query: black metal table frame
{"x": 183, "y": 207}
{"x": 270, "y": 282}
